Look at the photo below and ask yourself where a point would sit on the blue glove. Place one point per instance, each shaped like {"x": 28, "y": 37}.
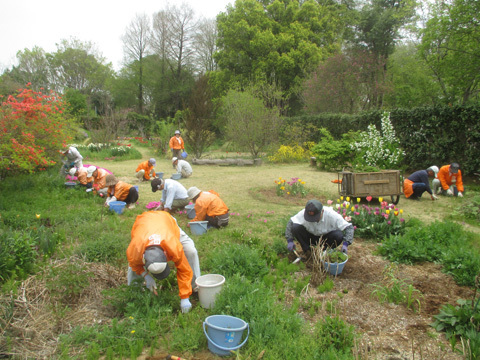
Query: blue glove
{"x": 291, "y": 245}
{"x": 185, "y": 305}
{"x": 345, "y": 247}
{"x": 149, "y": 281}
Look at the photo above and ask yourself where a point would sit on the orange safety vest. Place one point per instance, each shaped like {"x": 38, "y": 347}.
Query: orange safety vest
{"x": 175, "y": 144}
{"x": 209, "y": 204}
{"x": 447, "y": 179}
{"x": 147, "y": 167}
{"x": 167, "y": 236}
{"x": 119, "y": 190}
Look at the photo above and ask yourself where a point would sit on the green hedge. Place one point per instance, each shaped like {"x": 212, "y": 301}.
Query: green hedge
{"x": 429, "y": 135}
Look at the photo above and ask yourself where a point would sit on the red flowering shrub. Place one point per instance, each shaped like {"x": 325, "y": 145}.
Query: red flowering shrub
{"x": 32, "y": 130}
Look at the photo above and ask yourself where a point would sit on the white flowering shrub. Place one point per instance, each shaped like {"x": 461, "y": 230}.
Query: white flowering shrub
{"x": 119, "y": 150}
{"x": 379, "y": 149}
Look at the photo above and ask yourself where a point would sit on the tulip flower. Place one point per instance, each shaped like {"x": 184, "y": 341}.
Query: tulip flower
{"x": 358, "y": 200}
{"x": 396, "y": 213}
{"x": 38, "y": 216}
{"x": 348, "y": 198}
{"x": 380, "y": 199}
{"x": 369, "y": 198}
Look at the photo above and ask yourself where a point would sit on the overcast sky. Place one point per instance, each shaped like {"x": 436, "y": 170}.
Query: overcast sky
{"x": 28, "y": 23}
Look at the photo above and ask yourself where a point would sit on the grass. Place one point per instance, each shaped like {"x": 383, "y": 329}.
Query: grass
{"x": 88, "y": 249}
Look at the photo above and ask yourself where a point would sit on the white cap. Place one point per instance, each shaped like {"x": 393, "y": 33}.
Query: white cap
{"x": 72, "y": 171}
{"x": 434, "y": 169}
{"x": 174, "y": 159}
{"x": 90, "y": 170}
{"x": 177, "y": 132}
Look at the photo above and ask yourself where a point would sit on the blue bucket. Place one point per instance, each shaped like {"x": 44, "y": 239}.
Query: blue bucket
{"x": 176, "y": 176}
{"x": 184, "y": 154}
{"x": 198, "y": 227}
{"x": 190, "y": 211}
{"x": 117, "y": 206}
{"x": 335, "y": 268}
{"x": 224, "y": 333}
{"x": 159, "y": 175}
{"x": 70, "y": 184}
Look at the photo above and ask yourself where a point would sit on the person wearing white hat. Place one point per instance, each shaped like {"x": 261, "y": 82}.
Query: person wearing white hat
{"x": 99, "y": 177}
{"x": 449, "y": 181}
{"x": 146, "y": 170}
{"x": 157, "y": 239}
{"x": 418, "y": 183}
{"x": 183, "y": 167}
{"x": 209, "y": 207}
{"x": 176, "y": 144}
{"x": 81, "y": 174}
{"x": 120, "y": 191}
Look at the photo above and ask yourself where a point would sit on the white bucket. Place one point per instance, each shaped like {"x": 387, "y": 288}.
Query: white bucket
{"x": 208, "y": 287}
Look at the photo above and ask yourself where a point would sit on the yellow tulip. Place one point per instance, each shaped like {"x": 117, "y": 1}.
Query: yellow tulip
{"x": 380, "y": 199}
{"x": 38, "y": 216}
{"x": 352, "y": 208}
{"x": 341, "y": 198}
{"x": 396, "y": 213}
{"x": 358, "y": 199}
{"x": 387, "y": 211}
{"x": 348, "y": 198}
{"x": 401, "y": 211}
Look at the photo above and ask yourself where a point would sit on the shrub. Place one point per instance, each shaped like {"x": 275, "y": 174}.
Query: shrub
{"x": 334, "y": 154}
{"x": 17, "y": 254}
{"x": 332, "y": 332}
{"x": 378, "y": 149}
{"x": 32, "y": 130}
{"x": 288, "y": 154}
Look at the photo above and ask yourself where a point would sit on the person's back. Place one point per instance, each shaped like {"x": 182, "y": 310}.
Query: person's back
{"x": 208, "y": 204}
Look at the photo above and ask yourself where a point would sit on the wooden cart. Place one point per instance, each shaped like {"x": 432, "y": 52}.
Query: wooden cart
{"x": 374, "y": 184}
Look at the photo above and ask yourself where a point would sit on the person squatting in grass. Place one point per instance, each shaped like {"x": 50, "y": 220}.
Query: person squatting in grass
{"x": 120, "y": 191}
{"x": 177, "y": 145}
{"x": 146, "y": 170}
{"x": 81, "y": 174}
{"x": 417, "y": 183}
{"x": 155, "y": 239}
{"x": 449, "y": 181}
{"x": 99, "y": 177}
{"x": 182, "y": 167}
{"x": 174, "y": 194}
{"x": 209, "y": 207}
{"x": 317, "y": 222}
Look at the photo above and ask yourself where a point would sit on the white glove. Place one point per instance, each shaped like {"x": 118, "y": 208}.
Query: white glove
{"x": 449, "y": 192}
{"x": 434, "y": 197}
{"x": 460, "y": 194}
{"x": 110, "y": 199}
{"x": 149, "y": 281}
{"x": 89, "y": 190}
{"x": 185, "y": 305}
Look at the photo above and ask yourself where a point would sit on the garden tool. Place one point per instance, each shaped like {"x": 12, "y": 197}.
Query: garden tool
{"x": 298, "y": 257}
{"x": 173, "y": 357}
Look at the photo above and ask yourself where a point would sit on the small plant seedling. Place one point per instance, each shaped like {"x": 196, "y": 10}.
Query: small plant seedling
{"x": 335, "y": 257}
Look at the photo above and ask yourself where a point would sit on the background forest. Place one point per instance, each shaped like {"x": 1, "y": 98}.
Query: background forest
{"x": 286, "y": 59}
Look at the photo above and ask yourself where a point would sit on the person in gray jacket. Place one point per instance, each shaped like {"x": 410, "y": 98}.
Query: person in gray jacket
{"x": 316, "y": 222}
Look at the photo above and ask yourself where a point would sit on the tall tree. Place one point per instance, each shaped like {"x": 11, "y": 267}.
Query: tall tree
{"x": 136, "y": 44}
{"x": 173, "y": 36}
{"x": 377, "y": 30}
{"x": 276, "y": 41}
{"x": 205, "y": 45}
{"x": 78, "y": 65}
{"x": 33, "y": 68}
{"x": 450, "y": 47}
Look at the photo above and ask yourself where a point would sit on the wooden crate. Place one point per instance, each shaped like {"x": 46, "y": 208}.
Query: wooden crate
{"x": 383, "y": 183}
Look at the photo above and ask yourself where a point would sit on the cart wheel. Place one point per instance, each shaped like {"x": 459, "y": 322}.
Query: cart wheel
{"x": 395, "y": 199}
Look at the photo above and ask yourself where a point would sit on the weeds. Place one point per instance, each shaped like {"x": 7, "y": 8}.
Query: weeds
{"x": 397, "y": 291}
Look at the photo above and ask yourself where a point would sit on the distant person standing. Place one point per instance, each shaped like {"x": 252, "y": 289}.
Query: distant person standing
{"x": 177, "y": 145}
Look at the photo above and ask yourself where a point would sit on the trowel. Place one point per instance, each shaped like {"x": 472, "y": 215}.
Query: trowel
{"x": 298, "y": 257}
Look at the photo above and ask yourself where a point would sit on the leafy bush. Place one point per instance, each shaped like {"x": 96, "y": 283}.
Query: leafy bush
{"x": 443, "y": 242}
{"x": 332, "y": 332}
{"x": 106, "y": 151}
{"x": 288, "y": 154}
{"x": 17, "y": 254}
{"x": 231, "y": 259}
{"x": 103, "y": 249}
{"x": 334, "y": 154}
{"x": 470, "y": 208}
{"x": 378, "y": 149}
{"x": 461, "y": 321}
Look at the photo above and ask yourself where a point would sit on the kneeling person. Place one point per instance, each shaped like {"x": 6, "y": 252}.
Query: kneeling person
{"x": 120, "y": 191}
{"x": 316, "y": 222}
{"x": 209, "y": 207}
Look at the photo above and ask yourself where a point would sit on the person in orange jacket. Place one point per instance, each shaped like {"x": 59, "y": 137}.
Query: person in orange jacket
{"x": 155, "y": 239}
{"x": 99, "y": 177}
{"x": 449, "y": 181}
{"x": 209, "y": 207}
{"x": 120, "y": 191}
{"x": 177, "y": 145}
{"x": 146, "y": 170}
{"x": 81, "y": 174}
